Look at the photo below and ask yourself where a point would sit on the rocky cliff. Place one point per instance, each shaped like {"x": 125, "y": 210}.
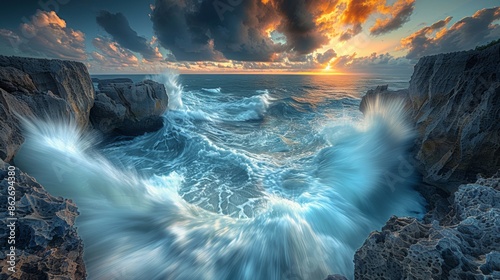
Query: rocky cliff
{"x": 47, "y": 244}
{"x": 40, "y": 88}
{"x": 454, "y": 102}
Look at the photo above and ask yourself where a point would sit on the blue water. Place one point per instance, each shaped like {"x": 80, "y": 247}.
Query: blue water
{"x": 251, "y": 177}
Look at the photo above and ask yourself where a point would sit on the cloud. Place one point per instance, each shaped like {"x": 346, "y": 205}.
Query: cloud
{"x": 350, "y": 32}
{"x": 240, "y": 30}
{"x": 265, "y": 30}
{"x": 298, "y": 23}
{"x": 119, "y": 28}
{"x": 46, "y": 35}
{"x": 465, "y": 34}
{"x": 111, "y": 54}
{"x": 372, "y": 63}
{"x": 325, "y": 57}
{"x": 399, "y": 14}
{"x": 356, "y": 13}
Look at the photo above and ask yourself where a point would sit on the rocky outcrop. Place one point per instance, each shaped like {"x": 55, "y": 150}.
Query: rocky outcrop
{"x": 466, "y": 246}
{"x": 455, "y": 101}
{"x": 126, "y": 108}
{"x": 40, "y": 88}
{"x": 46, "y": 243}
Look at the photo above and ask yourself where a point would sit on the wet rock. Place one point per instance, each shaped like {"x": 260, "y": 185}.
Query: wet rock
{"x": 125, "y": 108}
{"x": 46, "y": 242}
{"x": 40, "y": 88}
{"x": 67, "y": 80}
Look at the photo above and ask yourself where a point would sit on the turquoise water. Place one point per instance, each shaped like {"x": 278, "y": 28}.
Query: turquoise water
{"x": 251, "y": 177}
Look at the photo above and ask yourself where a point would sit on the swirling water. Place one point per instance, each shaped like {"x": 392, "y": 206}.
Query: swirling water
{"x": 251, "y": 177}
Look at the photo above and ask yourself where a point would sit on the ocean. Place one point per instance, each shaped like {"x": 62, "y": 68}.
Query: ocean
{"x": 251, "y": 177}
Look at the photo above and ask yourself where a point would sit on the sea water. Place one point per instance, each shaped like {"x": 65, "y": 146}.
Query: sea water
{"x": 251, "y": 177}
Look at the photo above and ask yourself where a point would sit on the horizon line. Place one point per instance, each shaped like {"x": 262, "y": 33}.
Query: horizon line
{"x": 241, "y": 73}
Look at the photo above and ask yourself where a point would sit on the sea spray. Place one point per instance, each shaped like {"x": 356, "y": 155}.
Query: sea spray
{"x": 174, "y": 89}
{"x": 141, "y": 227}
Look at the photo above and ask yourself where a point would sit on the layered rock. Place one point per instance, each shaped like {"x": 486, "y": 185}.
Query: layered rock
{"x": 467, "y": 246}
{"x": 40, "y": 88}
{"x": 126, "y": 108}
{"x": 46, "y": 243}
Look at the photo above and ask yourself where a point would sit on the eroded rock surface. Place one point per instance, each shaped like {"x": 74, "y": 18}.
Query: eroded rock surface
{"x": 46, "y": 241}
{"x": 465, "y": 246}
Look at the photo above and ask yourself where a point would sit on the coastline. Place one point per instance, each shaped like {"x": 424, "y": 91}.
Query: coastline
{"x": 443, "y": 87}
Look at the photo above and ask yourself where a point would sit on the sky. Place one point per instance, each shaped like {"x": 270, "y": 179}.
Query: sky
{"x": 245, "y": 36}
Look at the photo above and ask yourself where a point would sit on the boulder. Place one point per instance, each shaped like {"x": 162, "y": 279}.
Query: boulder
{"x": 464, "y": 247}
{"x": 46, "y": 242}
{"x": 122, "y": 107}
{"x": 40, "y": 88}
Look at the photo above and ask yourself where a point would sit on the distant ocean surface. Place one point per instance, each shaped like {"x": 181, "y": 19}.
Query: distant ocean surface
{"x": 251, "y": 177}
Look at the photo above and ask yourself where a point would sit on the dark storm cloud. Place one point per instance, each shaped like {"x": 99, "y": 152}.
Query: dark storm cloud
{"x": 238, "y": 29}
{"x": 194, "y": 30}
{"x": 119, "y": 28}
{"x": 400, "y": 14}
{"x": 465, "y": 34}
{"x": 299, "y": 26}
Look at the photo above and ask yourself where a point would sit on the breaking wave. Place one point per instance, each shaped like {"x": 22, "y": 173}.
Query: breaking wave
{"x": 208, "y": 198}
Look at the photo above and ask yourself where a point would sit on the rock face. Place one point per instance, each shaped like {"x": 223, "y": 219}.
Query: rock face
{"x": 467, "y": 246}
{"x": 455, "y": 100}
{"x": 40, "y": 88}
{"x": 47, "y": 245}
{"x": 126, "y": 108}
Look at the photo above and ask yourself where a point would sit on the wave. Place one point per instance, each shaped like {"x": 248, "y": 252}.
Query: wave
{"x": 137, "y": 227}
{"x": 174, "y": 89}
{"x": 247, "y": 109}
{"x": 212, "y": 90}
{"x": 234, "y": 110}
